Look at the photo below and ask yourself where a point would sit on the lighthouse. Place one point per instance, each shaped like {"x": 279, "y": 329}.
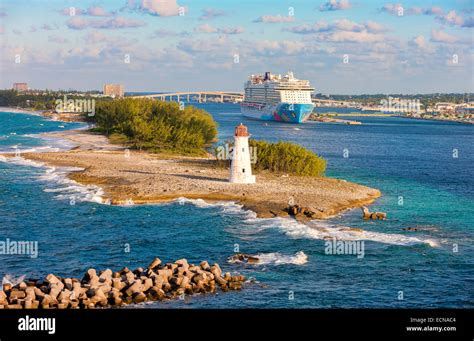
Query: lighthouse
{"x": 240, "y": 168}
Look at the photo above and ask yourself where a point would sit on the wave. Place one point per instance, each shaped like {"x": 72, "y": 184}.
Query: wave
{"x": 318, "y": 230}
{"x": 314, "y": 230}
{"x": 227, "y": 207}
{"x": 59, "y": 183}
{"x": 276, "y": 258}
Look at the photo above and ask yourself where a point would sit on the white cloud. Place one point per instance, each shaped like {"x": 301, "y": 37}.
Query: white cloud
{"x": 162, "y": 8}
{"x": 206, "y": 28}
{"x": 79, "y": 23}
{"x": 439, "y": 36}
{"x": 334, "y": 5}
{"x": 274, "y": 19}
{"x": 451, "y": 18}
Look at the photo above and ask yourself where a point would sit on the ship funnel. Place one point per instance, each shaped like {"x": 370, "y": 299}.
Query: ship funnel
{"x": 267, "y": 76}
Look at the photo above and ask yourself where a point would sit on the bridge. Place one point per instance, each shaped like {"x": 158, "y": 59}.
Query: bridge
{"x": 199, "y": 96}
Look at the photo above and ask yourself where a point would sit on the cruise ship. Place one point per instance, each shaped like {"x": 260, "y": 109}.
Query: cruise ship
{"x": 276, "y": 98}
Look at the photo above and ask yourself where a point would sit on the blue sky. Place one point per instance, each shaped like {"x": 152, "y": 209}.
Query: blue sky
{"x": 341, "y": 46}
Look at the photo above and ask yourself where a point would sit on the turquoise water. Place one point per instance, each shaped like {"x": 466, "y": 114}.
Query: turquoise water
{"x": 402, "y": 158}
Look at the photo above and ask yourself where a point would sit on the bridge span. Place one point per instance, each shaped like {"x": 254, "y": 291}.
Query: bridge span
{"x": 200, "y": 96}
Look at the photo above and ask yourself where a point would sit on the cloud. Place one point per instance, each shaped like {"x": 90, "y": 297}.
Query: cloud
{"x": 96, "y": 11}
{"x": 273, "y": 19}
{"x": 206, "y": 28}
{"x": 165, "y": 33}
{"x": 162, "y": 8}
{"x": 338, "y": 25}
{"x": 425, "y": 11}
{"x": 211, "y": 13}
{"x": 92, "y": 11}
{"x": 334, "y": 5}
{"x": 284, "y": 47}
{"x": 391, "y": 8}
{"x": 373, "y": 26}
{"x": 3, "y": 14}
{"x": 78, "y": 23}
{"x": 48, "y": 27}
{"x": 468, "y": 22}
{"x": 58, "y": 39}
{"x": 439, "y": 36}
{"x": 451, "y": 18}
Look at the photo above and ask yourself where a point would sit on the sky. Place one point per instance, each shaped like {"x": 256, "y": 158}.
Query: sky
{"x": 341, "y": 46}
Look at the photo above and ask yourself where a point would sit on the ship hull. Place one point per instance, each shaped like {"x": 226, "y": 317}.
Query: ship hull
{"x": 283, "y": 112}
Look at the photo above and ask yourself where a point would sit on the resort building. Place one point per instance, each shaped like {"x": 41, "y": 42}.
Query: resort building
{"x": 20, "y": 86}
{"x": 114, "y": 90}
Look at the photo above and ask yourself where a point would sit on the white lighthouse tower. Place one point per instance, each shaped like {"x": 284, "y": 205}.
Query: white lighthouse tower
{"x": 240, "y": 168}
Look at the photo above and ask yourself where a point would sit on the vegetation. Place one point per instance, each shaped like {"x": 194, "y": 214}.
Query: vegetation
{"x": 281, "y": 157}
{"x": 425, "y": 99}
{"x": 288, "y": 158}
{"x": 38, "y": 99}
{"x": 156, "y": 126}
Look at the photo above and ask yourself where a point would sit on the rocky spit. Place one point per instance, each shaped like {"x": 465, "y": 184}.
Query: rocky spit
{"x": 157, "y": 282}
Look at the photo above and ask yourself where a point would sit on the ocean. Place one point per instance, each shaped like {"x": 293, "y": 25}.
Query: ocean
{"x": 423, "y": 168}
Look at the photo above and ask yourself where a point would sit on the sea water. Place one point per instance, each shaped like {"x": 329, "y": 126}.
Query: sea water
{"x": 423, "y": 168}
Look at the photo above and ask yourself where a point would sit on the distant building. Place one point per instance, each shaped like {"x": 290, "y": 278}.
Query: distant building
{"x": 444, "y": 106}
{"x": 113, "y": 90}
{"x": 20, "y": 86}
{"x": 240, "y": 169}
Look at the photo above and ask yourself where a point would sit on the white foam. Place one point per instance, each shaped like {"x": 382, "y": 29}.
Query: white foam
{"x": 58, "y": 182}
{"x": 292, "y": 228}
{"x": 277, "y": 258}
{"x": 319, "y": 230}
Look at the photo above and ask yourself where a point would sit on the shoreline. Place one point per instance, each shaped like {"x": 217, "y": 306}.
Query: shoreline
{"x": 144, "y": 178}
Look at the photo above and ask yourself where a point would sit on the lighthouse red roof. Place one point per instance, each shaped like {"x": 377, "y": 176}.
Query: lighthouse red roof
{"x": 241, "y": 130}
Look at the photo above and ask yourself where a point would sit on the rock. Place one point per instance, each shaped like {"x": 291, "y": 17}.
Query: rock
{"x": 365, "y": 212}
{"x": 15, "y": 294}
{"x": 216, "y": 270}
{"x": 373, "y": 216}
{"x": 182, "y": 263}
{"x": 139, "y": 297}
{"x": 155, "y": 263}
{"x": 381, "y": 215}
{"x": 205, "y": 266}
{"x": 221, "y": 281}
{"x": 243, "y": 258}
{"x": 134, "y": 288}
{"x": 68, "y": 283}
{"x": 3, "y": 298}
{"x": 51, "y": 279}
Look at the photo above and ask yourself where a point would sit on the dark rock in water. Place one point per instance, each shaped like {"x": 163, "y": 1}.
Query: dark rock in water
{"x": 243, "y": 258}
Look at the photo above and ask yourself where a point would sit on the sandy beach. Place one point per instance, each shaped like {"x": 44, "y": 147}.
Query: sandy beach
{"x": 143, "y": 177}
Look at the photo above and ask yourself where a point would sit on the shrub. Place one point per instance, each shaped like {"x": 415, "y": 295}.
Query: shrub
{"x": 157, "y": 126}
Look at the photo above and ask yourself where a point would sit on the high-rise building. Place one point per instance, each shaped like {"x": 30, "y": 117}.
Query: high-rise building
{"x": 20, "y": 86}
{"x": 113, "y": 90}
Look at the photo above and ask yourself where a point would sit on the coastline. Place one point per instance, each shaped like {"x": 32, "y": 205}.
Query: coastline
{"x": 18, "y": 110}
{"x": 144, "y": 178}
